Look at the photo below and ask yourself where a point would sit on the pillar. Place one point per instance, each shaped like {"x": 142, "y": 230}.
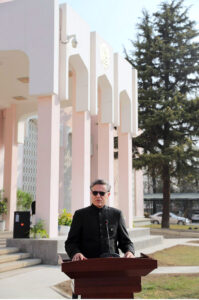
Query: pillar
{"x": 47, "y": 191}
{"x": 61, "y": 165}
{"x": 1, "y": 149}
{"x": 94, "y": 148}
{"x": 81, "y": 142}
{"x": 106, "y": 156}
{"x": 139, "y": 195}
{"x": 10, "y": 163}
{"x": 80, "y": 159}
{"x": 105, "y": 141}
{"x": 125, "y": 176}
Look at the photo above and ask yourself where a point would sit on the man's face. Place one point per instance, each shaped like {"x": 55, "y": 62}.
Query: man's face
{"x": 99, "y": 200}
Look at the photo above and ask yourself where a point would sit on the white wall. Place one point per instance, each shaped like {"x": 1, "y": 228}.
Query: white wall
{"x": 32, "y": 26}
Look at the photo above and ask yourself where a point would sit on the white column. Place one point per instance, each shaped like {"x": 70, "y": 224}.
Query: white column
{"x": 94, "y": 148}
{"x": 81, "y": 145}
{"x": 139, "y": 195}
{"x": 80, "y": 160}
{"x": 10, "y": 163}
{"x": 105, "y": 156}
{"x": 47, "y": 194}
{"x": 61, "y": 178}
{"x": 61, "y": 164}
{"x": 125, "y": 176}
{"x": 1, "y": 149}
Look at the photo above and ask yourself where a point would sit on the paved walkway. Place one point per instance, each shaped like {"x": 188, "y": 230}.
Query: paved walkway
{"x": 31, "y": 283}
{"x": 37, "y": 282}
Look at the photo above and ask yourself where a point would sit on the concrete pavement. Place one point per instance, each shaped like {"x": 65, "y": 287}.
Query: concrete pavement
{"x": 37, "y": 282}
{"x": 31, "y": 283}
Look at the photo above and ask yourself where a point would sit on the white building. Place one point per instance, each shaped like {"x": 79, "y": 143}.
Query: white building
{"x": 50, "y": 62}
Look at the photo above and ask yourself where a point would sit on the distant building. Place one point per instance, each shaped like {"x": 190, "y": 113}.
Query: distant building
{"x": 30, "y": 158}
{"x": 181, "y": 203}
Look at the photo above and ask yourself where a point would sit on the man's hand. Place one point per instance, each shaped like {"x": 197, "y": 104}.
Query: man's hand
{"x": 129, "y": 254}
{"x": 78, "y": 256}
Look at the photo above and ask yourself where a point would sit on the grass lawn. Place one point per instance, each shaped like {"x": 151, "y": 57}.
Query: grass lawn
{"x": 172, "y": 286}
{"x": 169, "y": 287}
{"x": 179, "y": 255}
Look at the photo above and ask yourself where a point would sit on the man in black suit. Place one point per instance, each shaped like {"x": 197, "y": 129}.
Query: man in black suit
{"x": 98, "y": 230}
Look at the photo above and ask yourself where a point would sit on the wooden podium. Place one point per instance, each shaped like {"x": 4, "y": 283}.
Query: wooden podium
{"x": 105, "y": 278}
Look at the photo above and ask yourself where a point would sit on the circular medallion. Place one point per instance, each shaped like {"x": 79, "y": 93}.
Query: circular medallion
{"x": 105, "y": 55}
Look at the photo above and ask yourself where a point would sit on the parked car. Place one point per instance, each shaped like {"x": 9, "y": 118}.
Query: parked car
{"x": 195, "y": 216}
{"x": 174, "y": 219}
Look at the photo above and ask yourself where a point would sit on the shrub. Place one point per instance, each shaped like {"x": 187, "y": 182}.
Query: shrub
{"x": 38, "y": 229}
{"x": 3, "y": 203}
{"x": 65, "y": 218}
{"x": 24, "y": 200}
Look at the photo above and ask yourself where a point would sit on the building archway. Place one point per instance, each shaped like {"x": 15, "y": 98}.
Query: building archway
{"x": 14, "y": 94}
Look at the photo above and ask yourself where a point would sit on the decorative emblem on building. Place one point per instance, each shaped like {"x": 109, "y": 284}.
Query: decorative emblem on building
{"x": 105, "y": 55}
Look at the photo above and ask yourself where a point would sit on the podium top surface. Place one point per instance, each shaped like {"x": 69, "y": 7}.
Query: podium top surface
{"x": 139, "y": 266}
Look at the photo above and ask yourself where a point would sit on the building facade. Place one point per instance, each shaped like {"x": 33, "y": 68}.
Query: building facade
{"x": 80, "y": 90}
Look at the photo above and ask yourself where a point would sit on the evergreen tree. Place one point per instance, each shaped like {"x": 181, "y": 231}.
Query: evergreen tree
{"x": 166, "y": 55}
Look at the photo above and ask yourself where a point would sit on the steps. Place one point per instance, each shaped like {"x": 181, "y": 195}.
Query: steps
{"x": 12, "y": 259}
{"x": 3, "y": 236}
{"x": 142, "y": 239}
{"x": 4, "y": 267}
{"x": 148, "y": 241}
{"x": 8, "y": 250}
{"x": 2, "y": 243}
{"x": 141, "y": 221}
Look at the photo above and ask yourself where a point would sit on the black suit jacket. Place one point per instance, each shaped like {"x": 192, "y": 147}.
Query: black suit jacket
{"x": 88, "y": 233}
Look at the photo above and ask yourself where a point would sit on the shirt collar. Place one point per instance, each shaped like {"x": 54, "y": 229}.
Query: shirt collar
{"x": 97, "y": 208}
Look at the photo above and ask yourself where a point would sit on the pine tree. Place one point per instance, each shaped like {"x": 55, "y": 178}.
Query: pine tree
{"x": 166, "y": 55}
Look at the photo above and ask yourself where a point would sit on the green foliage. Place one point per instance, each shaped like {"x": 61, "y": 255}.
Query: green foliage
{"x": 24, "y": 200}
{"x": 65, "y": 218}
{"x": 3, "y": 203}
{"x": 169, "y": 286}
{"x": 166, "y": 55}
{"x": 38, "y": 229}
{"x": 178, "y": 255}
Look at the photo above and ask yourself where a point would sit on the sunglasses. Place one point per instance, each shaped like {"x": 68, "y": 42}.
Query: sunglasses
{"x": 97, "y": 192}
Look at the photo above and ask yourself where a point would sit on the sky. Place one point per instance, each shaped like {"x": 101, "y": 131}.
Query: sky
{"x": 115, "y": 20}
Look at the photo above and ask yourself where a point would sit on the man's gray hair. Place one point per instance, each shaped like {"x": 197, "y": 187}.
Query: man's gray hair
{"x": 102, "y": 182}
